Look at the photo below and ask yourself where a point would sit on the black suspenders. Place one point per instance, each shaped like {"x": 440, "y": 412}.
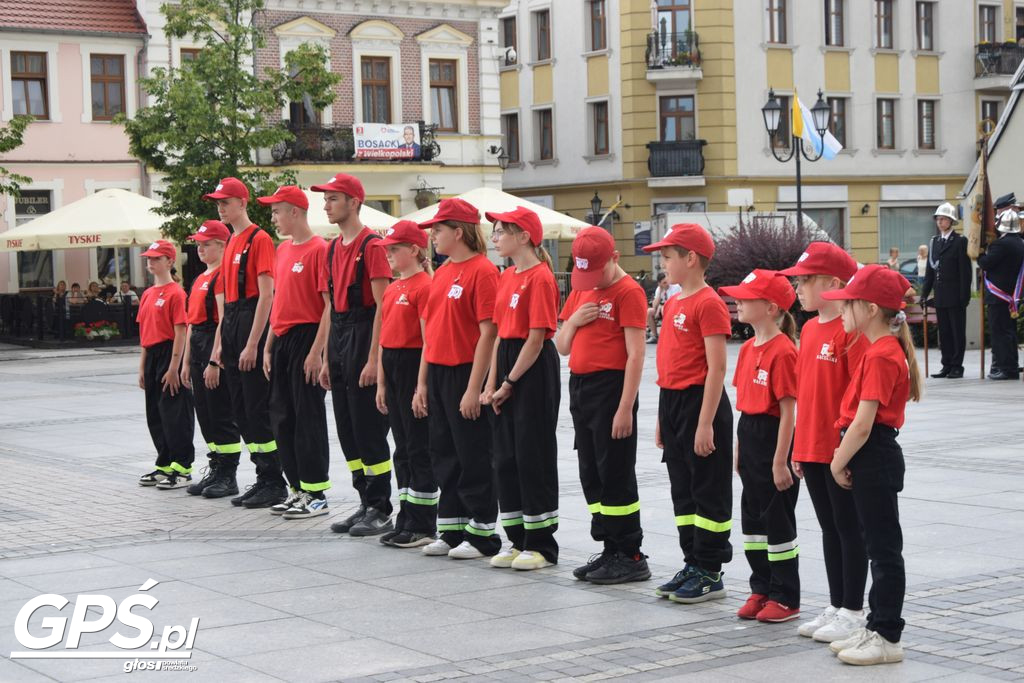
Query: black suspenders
{"x": 355, "y": 290}
{"x": 243, "y": 262}
{"x": 211, "y": 298}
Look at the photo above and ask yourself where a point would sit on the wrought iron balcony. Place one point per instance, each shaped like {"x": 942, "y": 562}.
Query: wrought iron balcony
{"x": 997, "y": 59}
{"x": 316, "y": 142}
{"x": 666, "y": 49}
{"x": 671, "y": 159}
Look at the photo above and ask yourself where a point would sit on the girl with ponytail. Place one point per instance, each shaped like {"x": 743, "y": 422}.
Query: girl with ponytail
{"x": 869, "y": 461}
{"x": 766, "y": 387}
{"x": 524, "y": 389}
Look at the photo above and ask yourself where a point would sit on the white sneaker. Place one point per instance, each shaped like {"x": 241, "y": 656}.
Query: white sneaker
{"x": 808, "y": 628}
{"x": 503, "y": 560}
{"x": 286, "y": 504}
{"x": 838, "y": 646}
{"x": 872, "y": 650}
{"x": 843, "y": 625}
{"x": 528, "y": 560}
{"x": 307, "y": 507}
{"x": 464, "y": 551}
{"x": 438, "y": 548}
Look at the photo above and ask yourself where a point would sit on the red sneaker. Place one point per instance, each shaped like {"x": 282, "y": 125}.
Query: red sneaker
{"x": 776, "y": 612}
{"x": 753, "y": 605}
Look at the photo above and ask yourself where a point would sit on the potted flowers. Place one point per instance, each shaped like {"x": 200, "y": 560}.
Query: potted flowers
{"x": 101, "y": 329}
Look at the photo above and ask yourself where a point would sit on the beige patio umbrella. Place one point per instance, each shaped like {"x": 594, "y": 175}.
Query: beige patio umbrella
{"x": 108, "y": 218}
{"x": 556, "y": 225}
{"x": 371, "y": 218}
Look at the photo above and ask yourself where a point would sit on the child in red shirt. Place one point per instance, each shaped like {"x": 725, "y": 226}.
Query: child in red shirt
{"x": 602, "y": 332}
{"x": 169, "y": 413}
{"x": 694, "y": 416}
{"x": 293, "y": 356}
{"x": 198, "y": 373}
{"x": 827, "y": 358}
{"x": 457, "y": 345}
{"x": 869, "y": 461}
{"x": 524, "y": 389}
{"x": 398, "y": 370}
{"x": 765, "y": 381}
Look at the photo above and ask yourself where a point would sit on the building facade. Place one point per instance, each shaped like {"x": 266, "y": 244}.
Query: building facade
{"x": 72, "y": 66}
{"x": 659, "y": 103}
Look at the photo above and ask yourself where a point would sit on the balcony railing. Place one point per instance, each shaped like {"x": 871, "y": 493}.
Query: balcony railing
{"x": 669, "y": 159}
{"x": 997, "y": 59}
{"x": 667, "y": 49}
{"x": 316, "y": 142}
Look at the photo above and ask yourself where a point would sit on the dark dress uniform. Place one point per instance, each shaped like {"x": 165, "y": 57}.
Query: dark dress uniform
{"x": 1002, "y": 263}
{"x": 948, "y": 277}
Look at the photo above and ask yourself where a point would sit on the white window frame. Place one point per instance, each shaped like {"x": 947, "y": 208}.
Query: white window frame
{"x": 998, "y": 25}
{"x": 895, "y": 28}
{"x": 534, "y": 58}
{"x": 446, "y": 42}
{"x": 848, "y": 97}
{"x": 897, "y": 136}
{"x": 29, "y": 43}
{"x": 124, "y": 49}
{"x": 56, "y": 189}
{"x": 936, "y": 114}
{"x": 535, "y": 135}
{"x": 767, "y": 24}
{"x": 588, "y": 38}
{"x": 294, "y": 34}
{"x": 589, "y": 103}
{"x": 387, "y": 43}
{"x": 519, "y": 118}
{"x": 935, "y": 22}
{"x": 844, "y": 8}
{"x": 981, "y": 107}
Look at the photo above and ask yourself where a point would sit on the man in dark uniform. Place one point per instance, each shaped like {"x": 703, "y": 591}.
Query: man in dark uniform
{"x": 1003, "y": 263}
{"x": 948, "y": 276}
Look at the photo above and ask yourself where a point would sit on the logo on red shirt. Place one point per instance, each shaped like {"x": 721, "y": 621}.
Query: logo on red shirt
{"x": 238, "y": 258}
{"x": 679, "y": 321}
{"x": 604, "y": 309}
{"x": 761, "y": 378}
{"x": 159, "y": 303}
{"x": 402, "y": 300}
{"x": 297, "y": 267}
{"x": 455, "y": 292}
{"x": 206, "y": 286}
{"x": 514, "y": 301}
{"x": 826, "y": 353}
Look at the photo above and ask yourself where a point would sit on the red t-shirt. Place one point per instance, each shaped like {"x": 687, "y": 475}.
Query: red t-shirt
{"x": 297, "y": 298}
{"x": 884, "y": 376}
{"x": 197, "y": 296}
{"x": 260, "y": 261}
{"x": 686, "y": 321}
{"x": 160, "y": 309}
{"x": 403, "y": 306}
{"x": 461, "y": 297}
{"x": 526, "y": 300}
{"x": 825, "y": 362}
{"x": 601, "y": 345}
{"x": 765, "y": 375}
{"x": 375, "y": 267}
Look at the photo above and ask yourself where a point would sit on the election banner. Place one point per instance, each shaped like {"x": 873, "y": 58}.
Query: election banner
{"x": 387, "y": 141}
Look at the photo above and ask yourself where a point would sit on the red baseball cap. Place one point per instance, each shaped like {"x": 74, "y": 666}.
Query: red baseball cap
{"x": 211, "y": 230}
{"x": 453, "y": 209}
{"x": 823, "y": 258}
{"x": 876, "y": 284}
{"x": 526, "y": 219}
{"x": 291, "y": 194}
{"x": 405, "y": 232}
{"x": 689, "y": 236}
{"x": 591, "y": 251}
{"x": 161, "y": 248}
{"x": 229, "y": 187}
{"x": 763, "y": 284}
{"x": 344, "y": 183}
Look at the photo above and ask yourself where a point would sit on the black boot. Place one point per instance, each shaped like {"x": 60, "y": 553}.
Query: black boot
{"x": 269, "y": 489}
{"x": 209, "y": 477}
{"x": 225, "y": 484}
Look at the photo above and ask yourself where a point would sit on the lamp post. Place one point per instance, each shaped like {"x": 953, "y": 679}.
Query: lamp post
{"x": 501, "y": 154}
{"x": 822, "y": 115}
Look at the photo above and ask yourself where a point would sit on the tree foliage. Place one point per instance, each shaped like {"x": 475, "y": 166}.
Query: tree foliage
{"x": 208, "y": 117}
{"x": 11, "y": 137}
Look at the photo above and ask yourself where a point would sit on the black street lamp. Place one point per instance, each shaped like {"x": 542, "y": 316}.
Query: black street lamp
{"x": 595, "y": 207}
{"x": 502, "y": 155}
{"x": 822, "y": 115}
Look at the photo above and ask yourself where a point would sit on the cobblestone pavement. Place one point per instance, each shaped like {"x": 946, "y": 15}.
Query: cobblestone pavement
{"x": 288, "y": 600}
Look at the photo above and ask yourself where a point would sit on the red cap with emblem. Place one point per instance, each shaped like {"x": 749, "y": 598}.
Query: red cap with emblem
{"x": 211, "y": 230}
{"x": 591, "y": 251}
{"x": 453, "y": 209}
{"x": 823, "y": 258}
{"x": 405, "y": 232}
{"x": 689, "y": 236}
{"x": 875, "y": 284}
{"x": 527, "y": 220}
{"x": 229, "y": 187}
{"x": 344, "y": 183}
{"x": 291, "y": 194}
{"x": 763, "y": 284}
{"x": 160, "y": 248}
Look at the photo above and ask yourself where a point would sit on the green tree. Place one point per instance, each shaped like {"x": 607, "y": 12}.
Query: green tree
{"x": 11, "y": 137}
{"x": 208, "y": 117}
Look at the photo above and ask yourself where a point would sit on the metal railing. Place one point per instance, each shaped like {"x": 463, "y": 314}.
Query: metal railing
{"x": 317, "y": 142}
{"x": 41, "y": 317}
{"x": 997, "y": 59}
{"x": 667, "y": 49}
{"x": 668, "y": 159}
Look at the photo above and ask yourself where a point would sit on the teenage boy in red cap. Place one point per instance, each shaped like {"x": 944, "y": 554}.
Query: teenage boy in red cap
{"x": 199, "y": 373}
{"x": 603, "y": 323}
{"x": 169, "y": 413}
{"x": 248, "y": 273}
{"x": 869, "y": 462}
{"x": 293, "y": 357}
{"x": 765, "y": 381}
{"x": 353, "y": 280}
{"x": 826, "y": 361}
{"x": 694, "y": 415}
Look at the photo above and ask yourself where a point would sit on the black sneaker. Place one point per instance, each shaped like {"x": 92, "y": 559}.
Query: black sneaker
{"x": 374, "y": 522}
{"x": 353, "y": 519}
{"x": 701, "y": 586}
{"x": 386, "y": 538}
{"x": 268, "y": 495}
{"x": 250, "y": 491}
{"x": 209, "y": 476}
{"x": 621, "y": 569}
{"x": 672, "y": 585}
{"x": 223, "y": 486}
{"x": 595, "y": 562}
{"x": 411, "y": 539}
